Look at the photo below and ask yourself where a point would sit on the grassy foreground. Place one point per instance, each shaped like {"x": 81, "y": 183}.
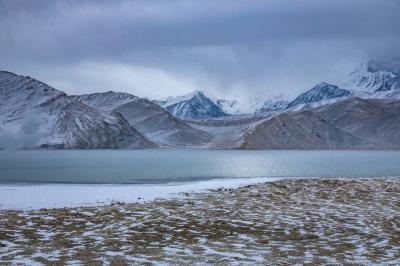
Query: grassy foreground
{"x": 315, "y": 221}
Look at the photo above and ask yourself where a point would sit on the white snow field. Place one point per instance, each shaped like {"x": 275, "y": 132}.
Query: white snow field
{"x": 78, "y": 195}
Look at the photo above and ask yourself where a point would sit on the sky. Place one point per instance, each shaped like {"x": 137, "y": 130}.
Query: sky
{"x": 229, "y": 49}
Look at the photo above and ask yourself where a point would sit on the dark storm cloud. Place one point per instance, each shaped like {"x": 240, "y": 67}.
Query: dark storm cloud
{"x": 223, "y": 46}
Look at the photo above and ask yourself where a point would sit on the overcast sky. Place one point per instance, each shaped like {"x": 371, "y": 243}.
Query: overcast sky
{"x": 225, "y": 48}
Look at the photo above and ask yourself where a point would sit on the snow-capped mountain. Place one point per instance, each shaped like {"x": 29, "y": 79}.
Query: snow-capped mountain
{"x": 375, "y": 76}
{"x": 374, "y": 79}
{"x": 272, "y": 105}
{"x": 148, "y": 118}
{"x": 195, "y": 105}
{"x": 246, "y": 106}
{"x": 33, "y": 114}
{"x": 322, "y": 91}
{"x": 252, "y": 105}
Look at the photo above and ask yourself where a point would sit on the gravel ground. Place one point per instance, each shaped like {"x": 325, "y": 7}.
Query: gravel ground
{"x": 308, "y": 221}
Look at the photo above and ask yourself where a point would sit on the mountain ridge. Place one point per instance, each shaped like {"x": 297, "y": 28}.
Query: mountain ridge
{"x": 320, "y": 92}
{"x": 327, "y": 116}
{"x": 151, "y": 120}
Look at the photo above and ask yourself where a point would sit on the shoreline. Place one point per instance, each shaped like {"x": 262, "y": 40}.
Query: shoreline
{"x": 38, "y": 196}
{"x": 317, "y": 221}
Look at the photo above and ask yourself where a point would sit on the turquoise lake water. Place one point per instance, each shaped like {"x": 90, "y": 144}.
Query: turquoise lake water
{"x": 163, "y": 166}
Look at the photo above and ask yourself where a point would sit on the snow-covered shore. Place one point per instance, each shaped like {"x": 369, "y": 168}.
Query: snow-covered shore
{"x": 84, "y": 195}
{"x": 326, "y": 221}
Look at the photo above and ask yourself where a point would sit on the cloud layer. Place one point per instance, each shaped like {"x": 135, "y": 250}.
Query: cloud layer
{"x": 228, "y": 48}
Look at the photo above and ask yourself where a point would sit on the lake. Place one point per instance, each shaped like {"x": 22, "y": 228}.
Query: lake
{"x": 164, "y": 166}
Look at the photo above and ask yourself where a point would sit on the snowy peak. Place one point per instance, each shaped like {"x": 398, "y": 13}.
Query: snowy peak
{"x": 171, "y": 100}
{"x": 322, "y": 91}
{"x": 375, "y": 76}
{"x": 252, "y": 105}
{"x": 195, "y": 105}
{"x": 246, "y": 106}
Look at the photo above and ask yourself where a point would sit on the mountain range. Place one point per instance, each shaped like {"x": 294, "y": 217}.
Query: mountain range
{"x": 156, "y": 123}
{"x": 33, "y": 114}
{"x": 362, "y": 113}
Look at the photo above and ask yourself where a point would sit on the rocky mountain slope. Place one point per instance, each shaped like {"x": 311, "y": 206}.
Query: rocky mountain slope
{"x": 347, "y": 124}
{"x": 374, "y": 120}
{"x": 33, "y": 114}
{"x": 148, "y": 118}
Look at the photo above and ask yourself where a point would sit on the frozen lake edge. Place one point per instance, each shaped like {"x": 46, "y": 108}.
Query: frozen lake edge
{"x": 38, "y": 196}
